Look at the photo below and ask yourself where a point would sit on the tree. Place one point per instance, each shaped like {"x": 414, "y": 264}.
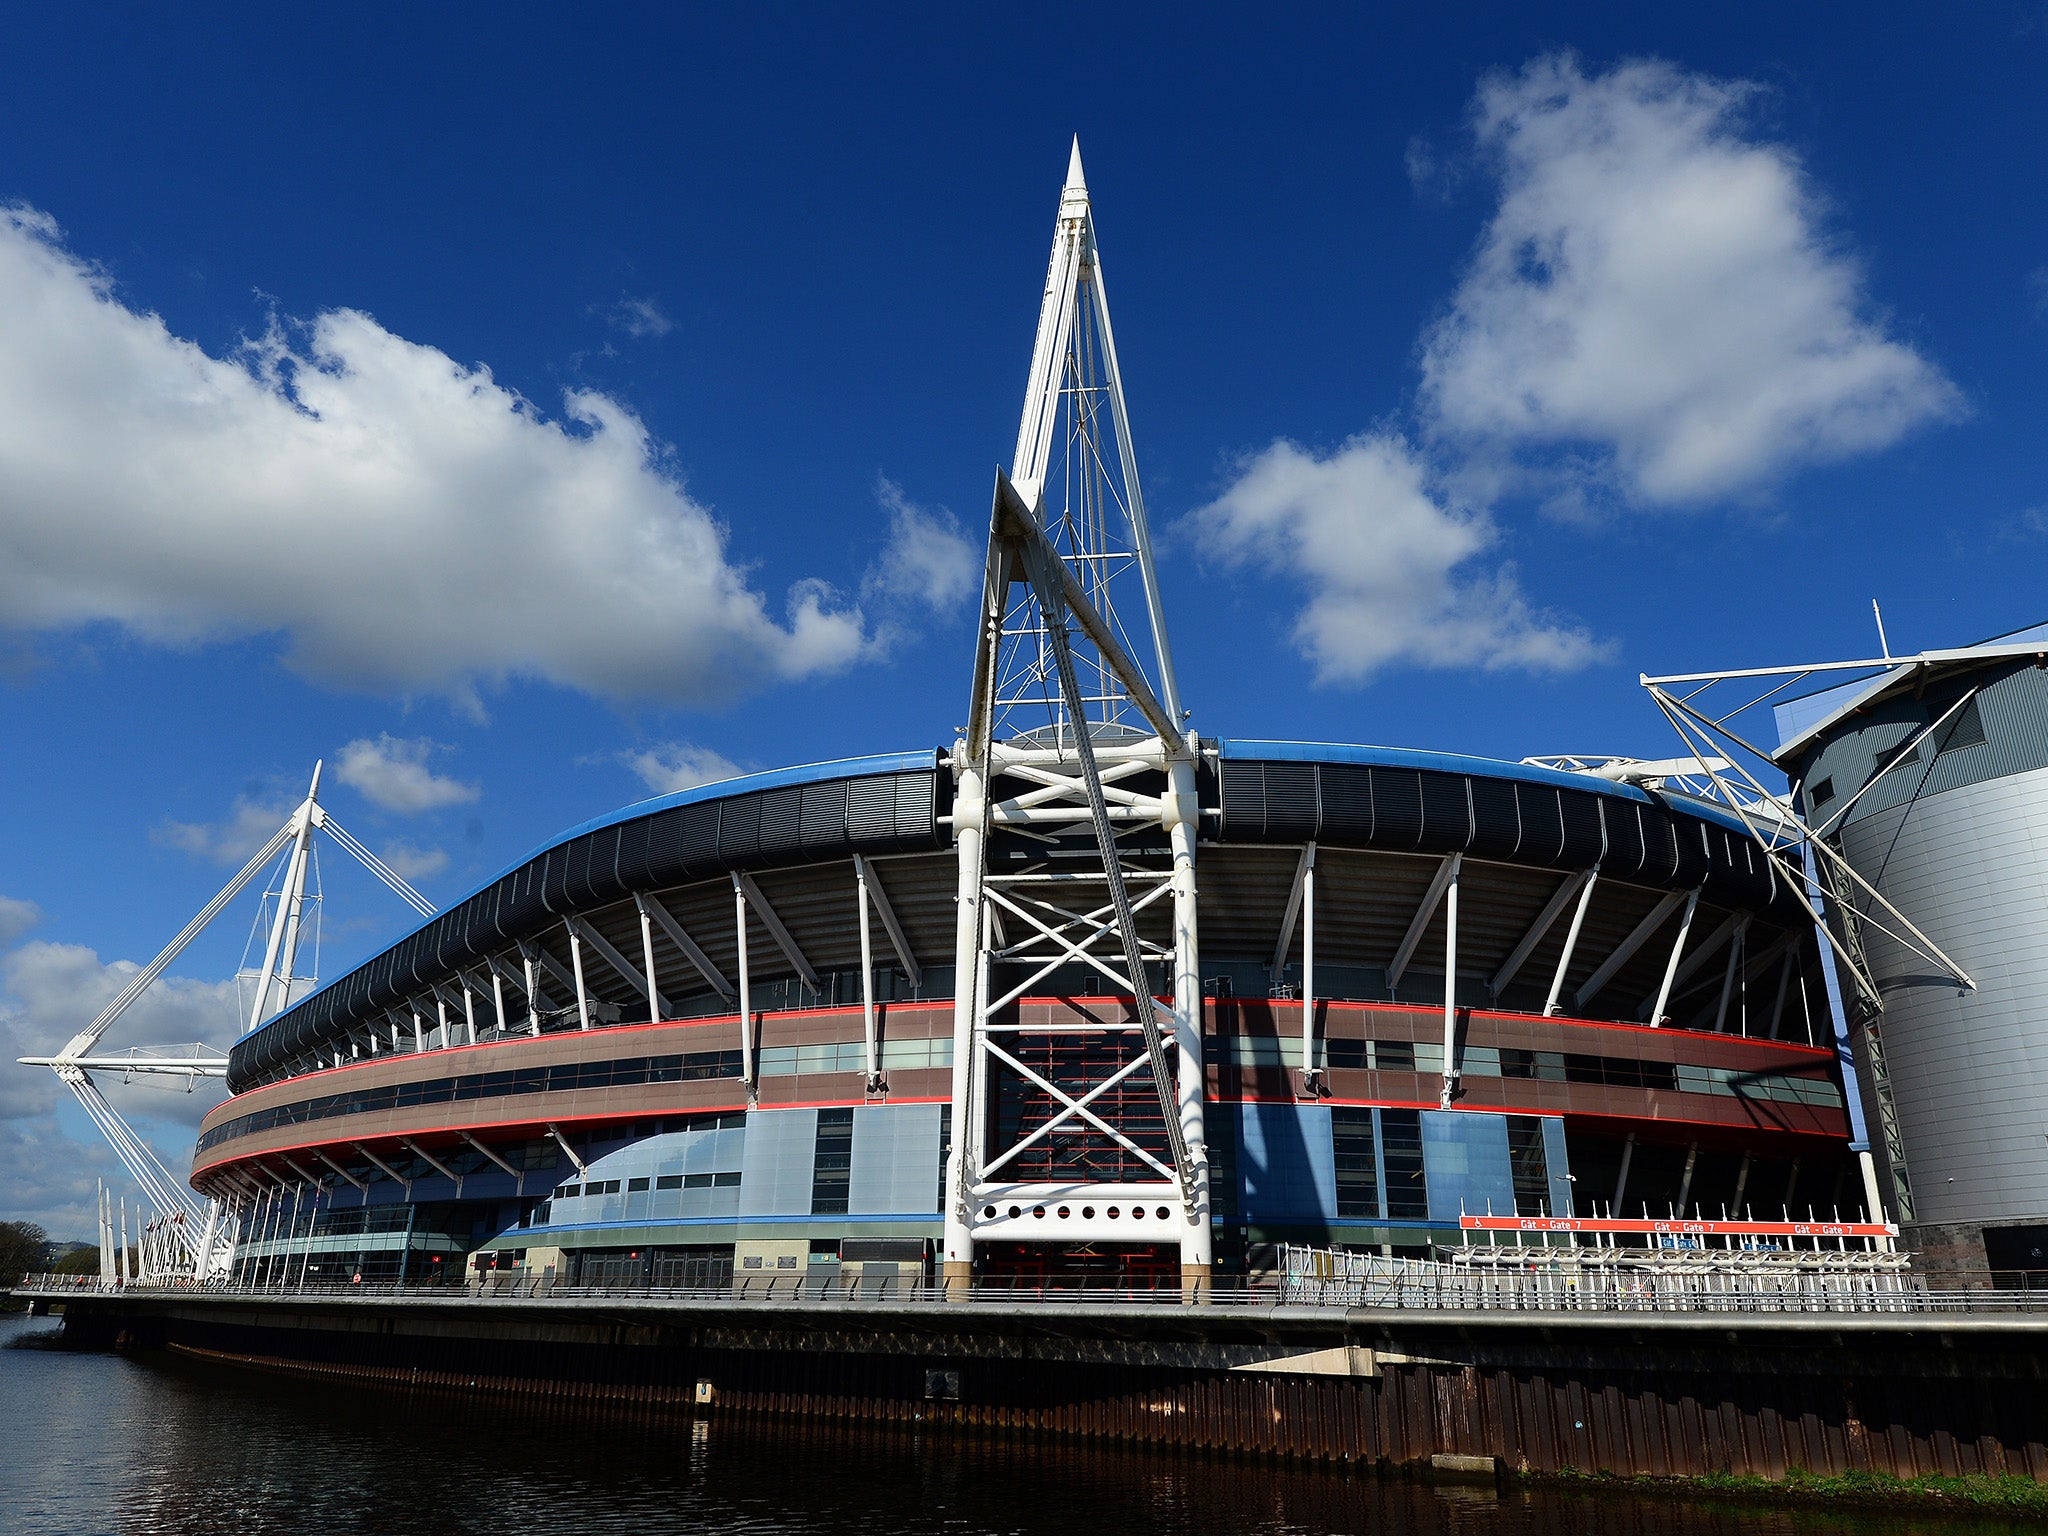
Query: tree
{"x": 79, "y": 1261}
{"x": 24, "y": 1250}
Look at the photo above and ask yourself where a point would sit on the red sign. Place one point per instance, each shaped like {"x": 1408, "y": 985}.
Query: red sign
{"x": 1654, "y": 1227}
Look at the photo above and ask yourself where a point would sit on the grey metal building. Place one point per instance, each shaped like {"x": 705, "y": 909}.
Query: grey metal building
{"x": 1930, "y": 777}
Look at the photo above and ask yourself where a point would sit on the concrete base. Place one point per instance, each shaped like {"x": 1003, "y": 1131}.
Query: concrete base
{"x": 958, "y": 1278}
{"x": 1476, "y": 1469}
{"x": 1196, "y": 1280}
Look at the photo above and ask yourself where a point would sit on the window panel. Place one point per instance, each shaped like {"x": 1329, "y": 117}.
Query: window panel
{"x": 1401, "y": 1144}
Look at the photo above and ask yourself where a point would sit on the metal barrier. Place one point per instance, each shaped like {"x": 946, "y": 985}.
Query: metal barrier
{"x": 1372, "y": 1284}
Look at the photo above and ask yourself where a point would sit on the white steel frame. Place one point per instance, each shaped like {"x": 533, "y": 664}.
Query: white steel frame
{"x": 184, "y": 1236}
{"x": 1801, "y": 854}
{"x": 1051, "y": 651}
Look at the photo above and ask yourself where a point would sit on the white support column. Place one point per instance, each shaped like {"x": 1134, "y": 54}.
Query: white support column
{"x": 1625, "y": 950}
{"x": 498, "y": 999}
{"x": 440, "y": 1018}
{"x": 785, "y": 941}
{"x": 1537, "y": 931}
{"x": 970, "y": 817}
{"x": 654, "y": 1009}
{"x": 385, "y": 1168}
{"x": 898, "y": 940}
{"x": 692, "y": 951}
{"x": 289, "y": 898}
{"x": 1784, "y": 985}
{"x": 419, "y": 1029}
{"x": 1692, "y": 903}
{"x": 532, "y": 990}
{"x": 1419, "y": 924}
{"x": 1311, "y": 1073}
{"x": 1181, "y": 813}
{"x": 576, "y": 961}
{"x": 568, "y": 1151}
{"x": 202, "y": 1252}
{"x": 1450, "y": 1089}
{"x": 468, "y": 1008}
{"x": 1552, "y": 1006}
{"x": 1736, "y": 948}
{"x": 1873, "y": 1202}
{"x": 867, "y": 978}
{"x": 432, "y": 1162}
{"x": 739, "y": 903}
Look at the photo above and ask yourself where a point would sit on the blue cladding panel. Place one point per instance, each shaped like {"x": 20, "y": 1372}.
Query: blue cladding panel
{"x": 1558, "y": 1165}
{"x": 1465, "y": 1158}
{"x": 781, "y": 1153}
{"x": 1286, "y": 1169}
{"x": 895, "y": 1160}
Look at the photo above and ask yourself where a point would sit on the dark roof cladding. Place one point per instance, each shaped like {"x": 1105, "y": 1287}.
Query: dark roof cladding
{"x": 1348, "y": 796}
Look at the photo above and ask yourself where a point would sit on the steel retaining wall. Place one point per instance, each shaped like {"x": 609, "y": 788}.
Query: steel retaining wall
{"x": 1539, "y": 1395}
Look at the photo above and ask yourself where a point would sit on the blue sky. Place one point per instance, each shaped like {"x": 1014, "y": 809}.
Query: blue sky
{"x": 531, "y": 408}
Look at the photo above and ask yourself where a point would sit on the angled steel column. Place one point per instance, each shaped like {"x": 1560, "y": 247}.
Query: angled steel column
{"x": 1451, "y": 1073}
{"x": 871, "y": 1055}
{"x": 746, "y": 998}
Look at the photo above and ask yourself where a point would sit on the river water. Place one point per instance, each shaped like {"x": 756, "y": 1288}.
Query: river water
{"x": 94, "y": 1444}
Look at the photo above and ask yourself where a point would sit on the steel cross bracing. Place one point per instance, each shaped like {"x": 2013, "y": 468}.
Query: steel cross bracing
{"x": 1075, "y": 820}
{"x": 187, "y": 1237}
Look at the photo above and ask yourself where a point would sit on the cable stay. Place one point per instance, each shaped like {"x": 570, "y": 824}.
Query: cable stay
{"x": 188, "y": 1236}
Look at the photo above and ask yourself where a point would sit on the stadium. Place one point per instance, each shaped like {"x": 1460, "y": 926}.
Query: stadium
{"x": 1078, "y": 993}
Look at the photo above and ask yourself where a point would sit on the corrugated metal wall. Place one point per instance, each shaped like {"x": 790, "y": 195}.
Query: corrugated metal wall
{"x": 1626, "y": 1406}
{"x": 1969, "y": 1070}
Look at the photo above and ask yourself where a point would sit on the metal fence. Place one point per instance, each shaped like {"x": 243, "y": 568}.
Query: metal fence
{"x": 1308, "y": 1278}
{"x": 1632, "y": 1280}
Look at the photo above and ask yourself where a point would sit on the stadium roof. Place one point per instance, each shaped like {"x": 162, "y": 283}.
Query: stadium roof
{"x": 1800, "y": 720}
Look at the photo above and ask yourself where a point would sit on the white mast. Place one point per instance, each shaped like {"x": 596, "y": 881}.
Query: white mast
{"x": 1072, "y": 747}
{"x": 199, "y": 1234}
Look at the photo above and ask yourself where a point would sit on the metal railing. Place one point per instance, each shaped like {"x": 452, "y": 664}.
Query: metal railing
{"x": 1421, "y": 1287}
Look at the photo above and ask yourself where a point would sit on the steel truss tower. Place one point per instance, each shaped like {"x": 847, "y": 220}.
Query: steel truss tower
{"x": 1075, "y": 818}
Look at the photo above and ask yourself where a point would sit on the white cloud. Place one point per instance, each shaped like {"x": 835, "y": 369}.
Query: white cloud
{"x": 679, "y": 765}
{"x": 926, "y": 560}
{"x": 406, "y": 521}
{"x": 50, "y": 991}
{"x": 393, "y": 774}
{"x": 1387, "y": 566}
{"x": 1657, "y": 289}
{"x": 17, "y": 917}
{"x": 50, "y": 1176}
{"x": 412, "y": 863}
{"x": 249, "y": 826}
{"x": 640, "y": 318}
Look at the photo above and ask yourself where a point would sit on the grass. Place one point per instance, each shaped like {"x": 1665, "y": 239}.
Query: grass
{"x": 1976, "y": 1493}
